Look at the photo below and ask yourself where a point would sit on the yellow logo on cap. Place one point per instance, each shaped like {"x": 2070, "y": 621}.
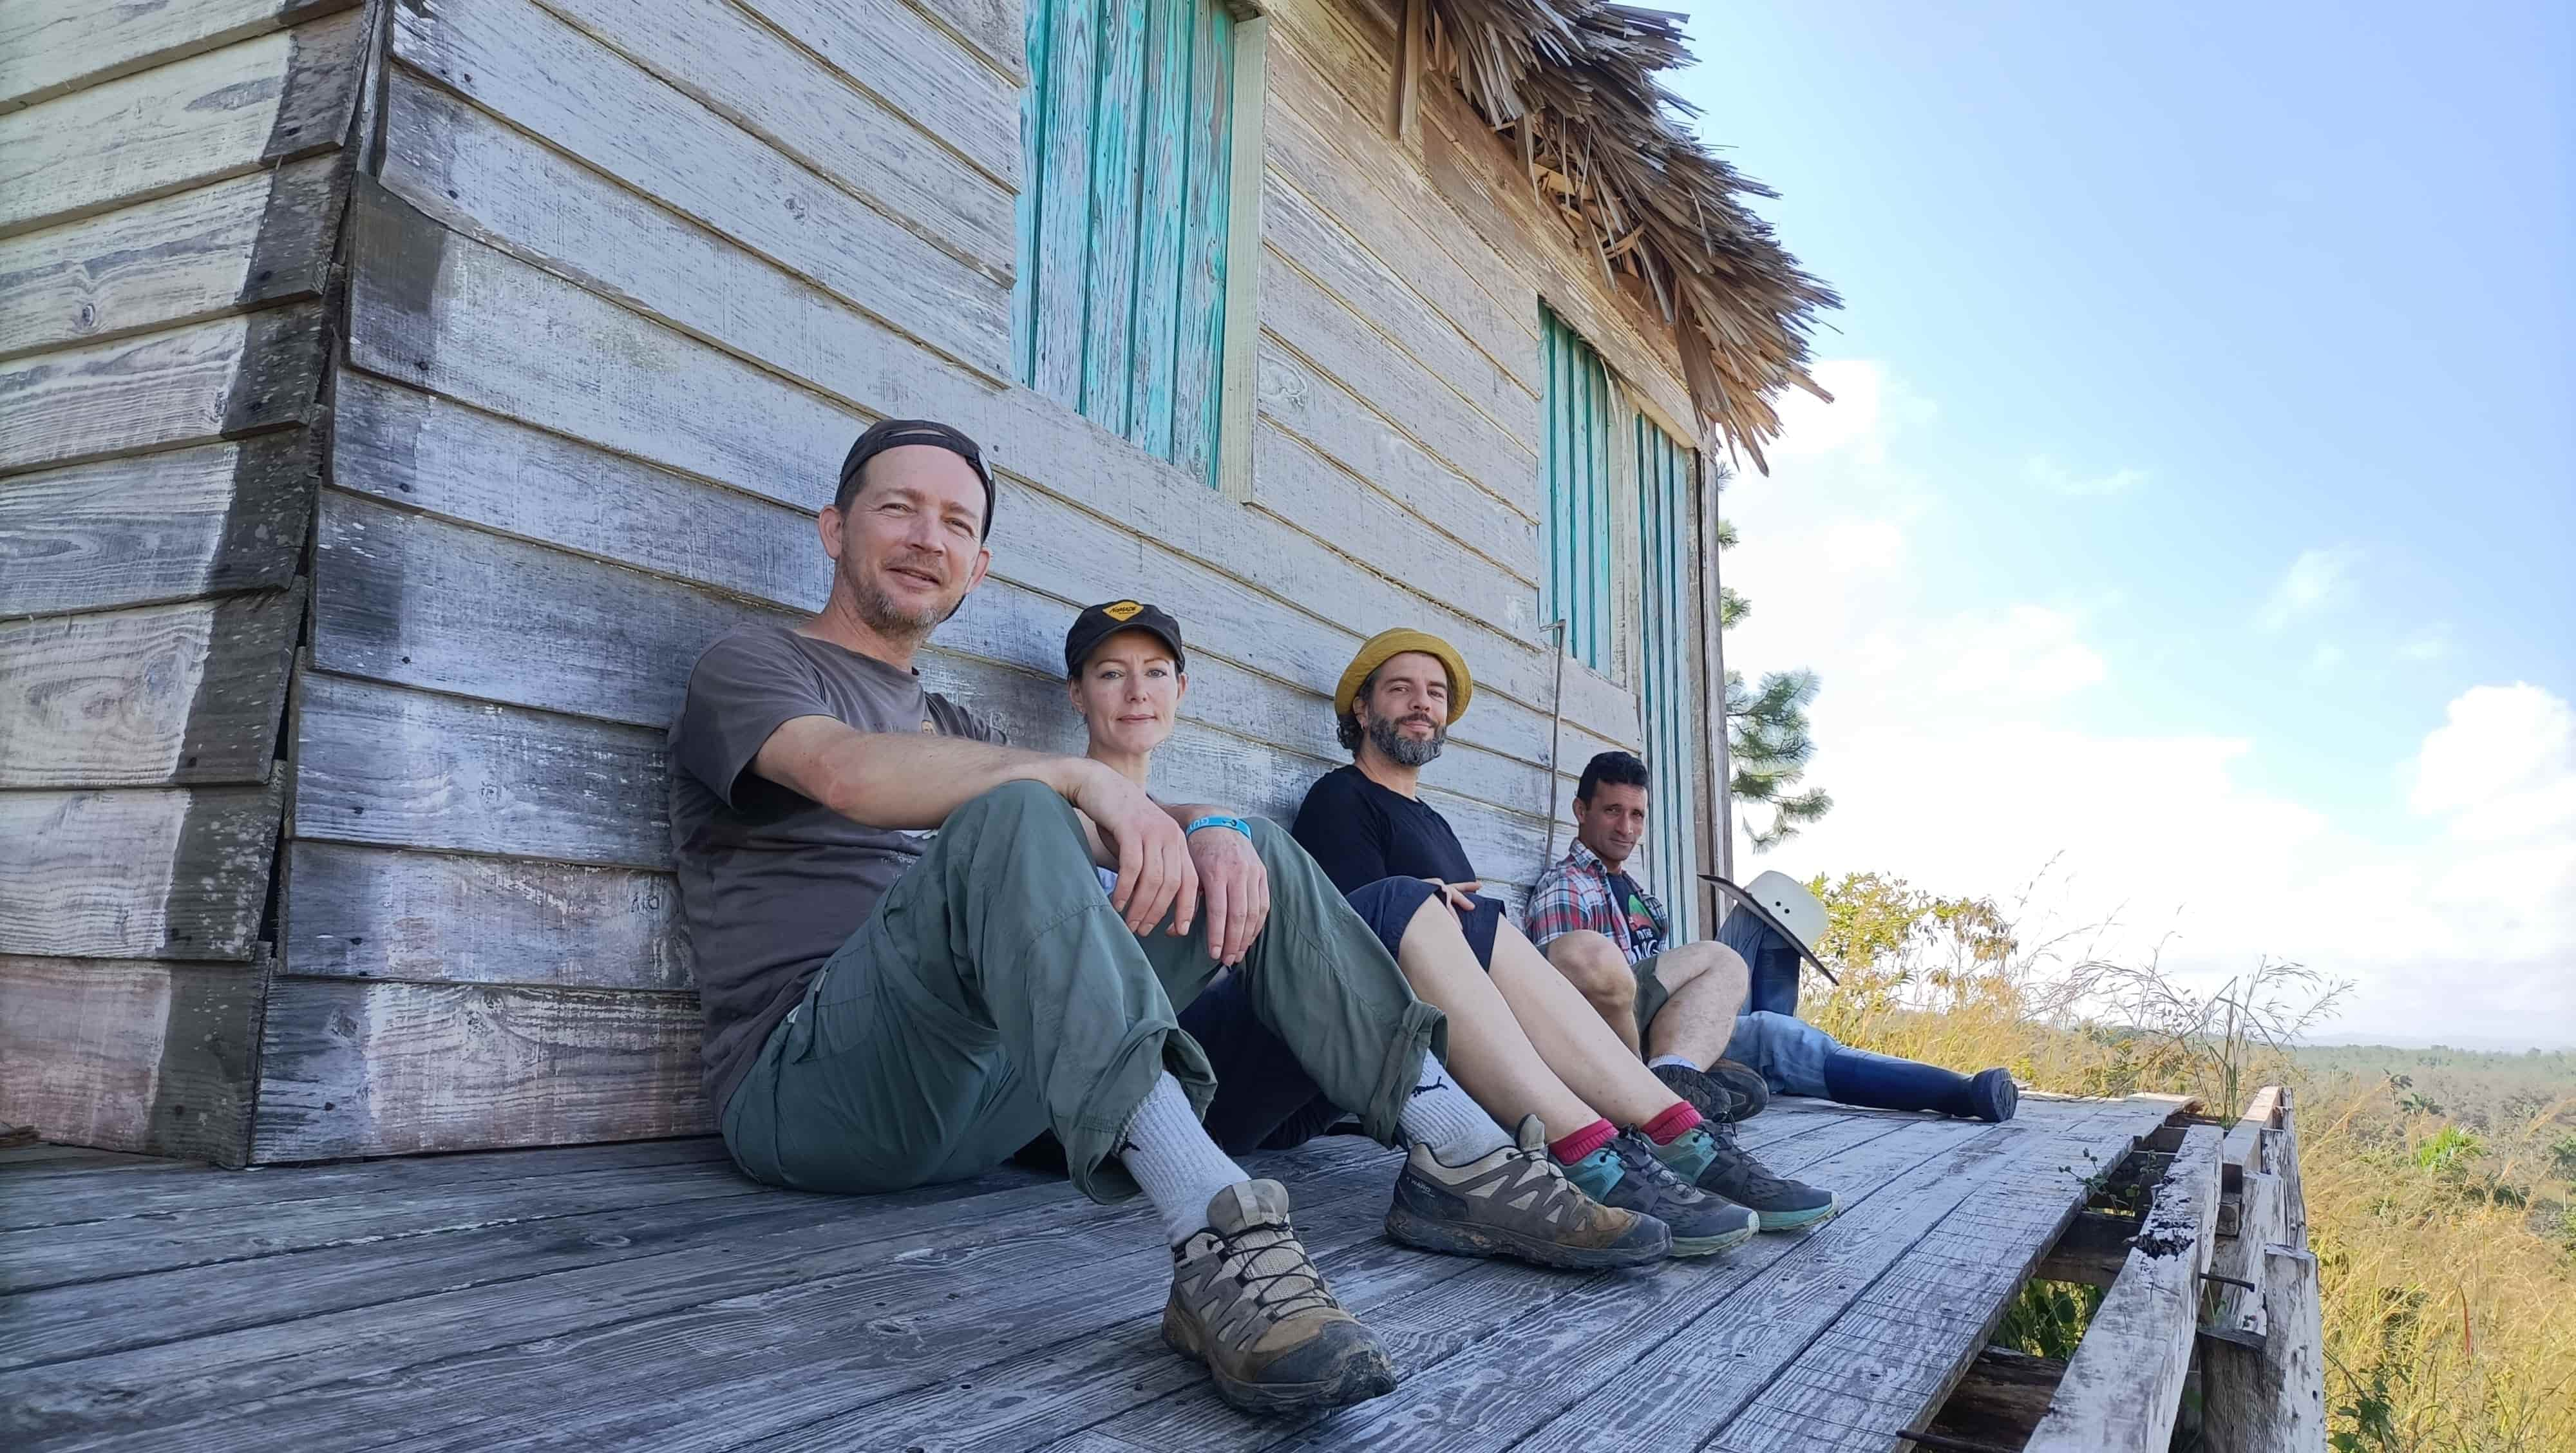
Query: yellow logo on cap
{"x": 1123, "y": 611}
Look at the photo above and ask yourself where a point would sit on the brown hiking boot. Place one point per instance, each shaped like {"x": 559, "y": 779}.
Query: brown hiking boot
{"x": 1517, "y": 1202}
{"x": 1248, "y": 1302}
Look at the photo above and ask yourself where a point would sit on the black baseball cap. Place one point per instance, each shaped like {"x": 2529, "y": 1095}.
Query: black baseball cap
{"x": 1099, "y": 622}
{"x": 894, "y": 434}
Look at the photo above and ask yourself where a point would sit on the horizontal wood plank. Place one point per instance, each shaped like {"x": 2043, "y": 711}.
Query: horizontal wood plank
{"x": 426, "y": 453}
{"x": 922, "y": 70}
{"x": 179, "y": 873}
{"x": 256, "y": 103}
{"x": 369, "y": 913}
{"x": 349, "y": 1068}
{"x": 50, "y": 48}
{"x": 218, "y": 380}
{"x": 163, "y": 527}
{"x": 687, "y": 407}
{"x": 744, "y": 71}
{"x": 1381, "y": 196}
{"x": 990, "y": 28}
{"x": 543, "y": 77}
{"x": 1496, "y": 518}
{"x": 149, "y": 697}
{"x": 1503, "y": 391}
{"x": 71, "y": 1199}
{"x": 1324, "y": 333}
{"x": 1892, "y": 1356}
{"x": 378, "y": 764}
{"x": 407, "y": 599}
{"x": 1296, "y": 484}
{"x": 263, "y": 237}
{"x": 131, "y": 1055}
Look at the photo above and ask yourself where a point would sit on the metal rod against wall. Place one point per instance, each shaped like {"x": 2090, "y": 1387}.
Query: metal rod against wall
{"x": 1555, "y": 736}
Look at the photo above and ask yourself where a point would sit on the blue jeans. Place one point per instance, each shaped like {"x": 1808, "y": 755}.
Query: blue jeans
{"x": 1773, "y": 986}
{"x": 1788, "y": 1053}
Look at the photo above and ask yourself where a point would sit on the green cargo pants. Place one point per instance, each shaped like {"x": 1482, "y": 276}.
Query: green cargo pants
{"x": 994, "y": 993}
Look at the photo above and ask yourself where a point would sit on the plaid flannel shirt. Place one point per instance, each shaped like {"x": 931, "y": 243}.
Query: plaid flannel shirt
{"x": 1575, "y": 893}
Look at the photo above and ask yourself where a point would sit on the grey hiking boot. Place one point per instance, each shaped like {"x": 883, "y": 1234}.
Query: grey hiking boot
{"x": 1626, "y": 1174}
{"x": 1517, "y": 1202}
{"x": 1708, "y": 1157}
{"x": 1248, "y": 1302}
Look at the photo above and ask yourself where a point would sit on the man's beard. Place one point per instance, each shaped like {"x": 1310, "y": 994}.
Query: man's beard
{"x": 1402, "y": 750}
{"x": 885, "y": 615}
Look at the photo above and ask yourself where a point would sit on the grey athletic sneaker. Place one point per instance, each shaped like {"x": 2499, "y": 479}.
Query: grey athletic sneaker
{"x": 1516, "y": 1202}
{"x": 1725, "y": 1091}
{"x": 1248, "y": 1302}
{"x": 1708, "y": 1157}
{"x": 1626, "y": 1173}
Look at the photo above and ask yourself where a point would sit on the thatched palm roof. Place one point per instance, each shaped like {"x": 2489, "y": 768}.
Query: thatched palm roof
{"x": 1574, "y": 82}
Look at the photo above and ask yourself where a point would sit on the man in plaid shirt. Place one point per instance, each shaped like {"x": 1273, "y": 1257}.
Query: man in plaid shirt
{"x": 1674, "y": 1004}
{"x": 1686, "y": 1003}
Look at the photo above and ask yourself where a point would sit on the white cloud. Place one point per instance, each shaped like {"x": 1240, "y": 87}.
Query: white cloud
{"x": 2324, "y": 659}
{"x": 2050, "y": 475}
{"x": 1963, "y": 751}
{"x": 2317, "y": 579}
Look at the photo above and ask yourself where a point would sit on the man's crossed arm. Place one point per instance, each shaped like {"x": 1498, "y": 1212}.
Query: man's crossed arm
{"x": 906, "y": 781}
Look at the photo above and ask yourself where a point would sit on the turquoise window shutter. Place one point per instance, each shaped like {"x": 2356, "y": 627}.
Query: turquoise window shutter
{"x": 1126, "y": 131}
{"x": 1576, "y": 475}
{"x": 1667, "y": 646}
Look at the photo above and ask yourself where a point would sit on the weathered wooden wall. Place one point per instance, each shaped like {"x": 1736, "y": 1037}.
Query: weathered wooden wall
{"x": 624, "y": 283}
{"x": 171, "y": 188}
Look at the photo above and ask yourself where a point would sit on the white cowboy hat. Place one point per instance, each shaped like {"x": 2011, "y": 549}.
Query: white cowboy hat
{"x": 1787, "y": 908}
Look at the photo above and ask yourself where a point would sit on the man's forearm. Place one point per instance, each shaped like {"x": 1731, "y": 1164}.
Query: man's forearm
{"x": 899, "y": 780}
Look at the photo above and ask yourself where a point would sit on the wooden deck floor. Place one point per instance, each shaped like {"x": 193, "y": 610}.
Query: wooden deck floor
{"x": 648, "y": 1296}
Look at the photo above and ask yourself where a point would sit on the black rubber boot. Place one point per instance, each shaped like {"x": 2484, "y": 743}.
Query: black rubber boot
{"x": 1877, "y": 1082}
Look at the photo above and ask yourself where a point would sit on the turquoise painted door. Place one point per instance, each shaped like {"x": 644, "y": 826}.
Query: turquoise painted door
{"x": 1125, "y": 155}
{"x": 1668, "y": 644}
{"x": 1575, "y": 471}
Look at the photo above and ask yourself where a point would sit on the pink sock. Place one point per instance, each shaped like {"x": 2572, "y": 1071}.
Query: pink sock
{"x": 1678, "y": 1120}
{"x": 1583, "y": 1142}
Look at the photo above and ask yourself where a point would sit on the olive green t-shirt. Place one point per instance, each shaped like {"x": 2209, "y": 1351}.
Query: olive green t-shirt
{"x": 772, "y": 882}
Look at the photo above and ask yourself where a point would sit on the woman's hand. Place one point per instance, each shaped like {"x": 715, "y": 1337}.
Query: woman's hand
{"x": 1459, "y": 896}
{"x": 1237, "y": 888}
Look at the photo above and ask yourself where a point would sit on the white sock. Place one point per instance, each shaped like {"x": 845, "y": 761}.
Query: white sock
{"x": 1441, "y": 1116}
{"x": 1168, "y": 1152}
{"x": 1685, "y": 1061}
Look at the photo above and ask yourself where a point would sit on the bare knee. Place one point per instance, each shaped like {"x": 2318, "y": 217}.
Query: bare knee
{"x": 1721, "y": 969}
{"x": 1594, "y": 965}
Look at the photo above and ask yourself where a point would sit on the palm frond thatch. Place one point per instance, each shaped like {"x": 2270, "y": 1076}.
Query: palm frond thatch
{"x": 1576, "y": 81}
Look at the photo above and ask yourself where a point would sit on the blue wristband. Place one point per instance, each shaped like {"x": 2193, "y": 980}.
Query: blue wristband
{"x": 1238, "y": 824}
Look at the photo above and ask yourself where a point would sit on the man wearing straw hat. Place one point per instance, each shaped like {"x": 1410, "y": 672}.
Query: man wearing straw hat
{"x": 1625, "y": 1135}
{"x": 1610, "y": 936}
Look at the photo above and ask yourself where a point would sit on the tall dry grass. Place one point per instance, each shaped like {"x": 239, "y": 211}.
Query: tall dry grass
{"x": 2448, "y": 1256}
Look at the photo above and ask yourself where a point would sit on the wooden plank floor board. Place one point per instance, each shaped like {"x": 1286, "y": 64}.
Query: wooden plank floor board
{"x": 318, "y": 1325}
{"x": 1423, "y": 1331}
{"x": 1898, "y": 1348}
{"x": 1092, "y": 1378}
{"x": 64, "y": 1201}
{"x": 133, "y": 1246}
{"x": 644, "y": 1296}
{"x": 1066, "y": 1285}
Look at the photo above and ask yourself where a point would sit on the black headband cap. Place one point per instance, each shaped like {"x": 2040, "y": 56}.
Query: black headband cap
{"x": 895, "y": 434}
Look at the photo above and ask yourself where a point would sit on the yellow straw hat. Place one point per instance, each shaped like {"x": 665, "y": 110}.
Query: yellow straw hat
{"x": 1386, "y": 645}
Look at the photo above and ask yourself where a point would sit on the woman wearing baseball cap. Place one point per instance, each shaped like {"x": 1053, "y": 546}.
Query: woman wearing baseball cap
{"x": 1126, "y": 676}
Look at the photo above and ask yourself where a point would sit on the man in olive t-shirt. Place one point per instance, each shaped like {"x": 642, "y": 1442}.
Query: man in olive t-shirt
{"x": 908, "y": 968}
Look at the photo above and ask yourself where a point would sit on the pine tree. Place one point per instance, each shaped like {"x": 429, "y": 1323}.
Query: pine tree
{"x": 1767, "y": 740}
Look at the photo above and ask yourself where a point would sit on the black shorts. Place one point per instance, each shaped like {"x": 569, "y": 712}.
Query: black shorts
{"x": 1388, "y": 906}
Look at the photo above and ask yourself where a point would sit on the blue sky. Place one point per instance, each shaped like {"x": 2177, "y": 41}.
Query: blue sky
{"x": 2206, "y": 424}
